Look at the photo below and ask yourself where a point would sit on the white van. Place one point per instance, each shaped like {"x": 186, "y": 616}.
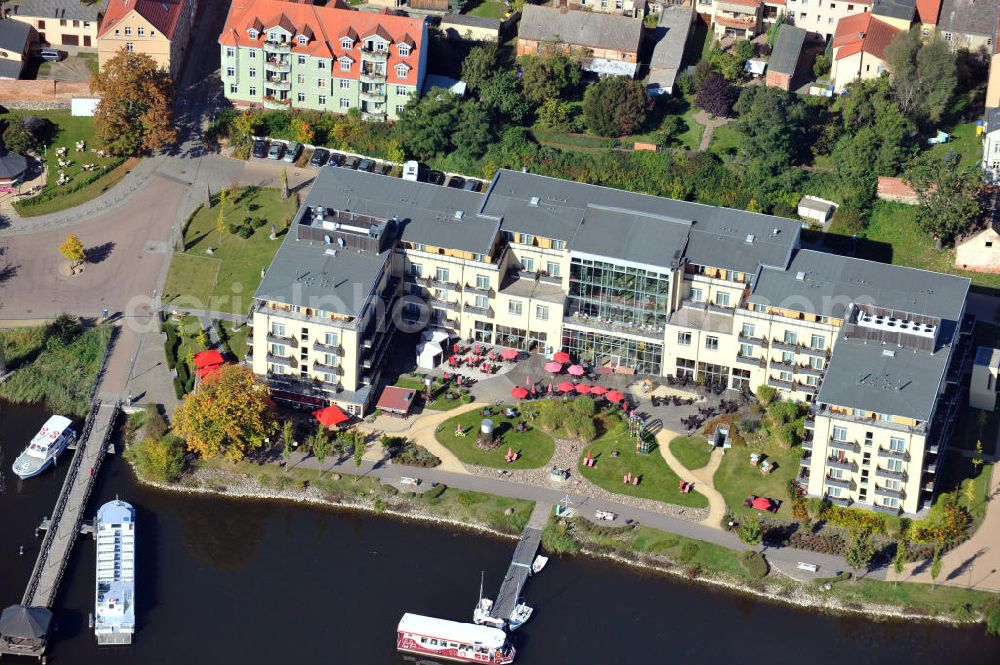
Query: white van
{"x": 410, "y": 170}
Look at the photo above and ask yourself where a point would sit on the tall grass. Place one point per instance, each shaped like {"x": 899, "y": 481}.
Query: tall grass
{"x": 50, "y": 370}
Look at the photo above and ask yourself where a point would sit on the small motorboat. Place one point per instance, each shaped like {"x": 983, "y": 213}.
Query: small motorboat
{"x": 519, "y": 616}
{"x": 539, "y": 563}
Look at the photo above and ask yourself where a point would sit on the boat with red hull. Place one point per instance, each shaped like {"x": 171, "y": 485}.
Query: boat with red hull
{"x": 451, "y": 640}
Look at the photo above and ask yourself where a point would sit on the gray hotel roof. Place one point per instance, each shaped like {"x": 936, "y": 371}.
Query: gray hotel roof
{"x": 862, "y": 376}
{"x": 426, "y": 213}
{"x": 637, "y": 237}
{"x": 716, "y": 237}
{"x": 904, "y": 9}
{"x": 829, "y": 283}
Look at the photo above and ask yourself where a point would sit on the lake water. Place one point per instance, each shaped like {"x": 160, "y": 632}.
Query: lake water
{"x": 248, "y": 583}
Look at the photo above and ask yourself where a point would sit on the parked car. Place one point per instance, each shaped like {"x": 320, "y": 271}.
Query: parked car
{"x": 351, "y": 163}
{"x": 435, "y": 177}
{"x": 276, "y": 150}
{"x": 260, "y": 149}
{"x": 472, "y": 185}
{"x": 320, "y": 155}
{"x": 456, "y": 181}
{"x": 383, "y": 168}
{"x": 50, "y": 54}
{"x": 367, "y": 165}
{"x": 336, "y": 159}
{"x": 293, "y": 152}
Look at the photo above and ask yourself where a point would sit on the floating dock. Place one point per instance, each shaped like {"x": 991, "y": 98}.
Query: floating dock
{"x": 520, "y": 565}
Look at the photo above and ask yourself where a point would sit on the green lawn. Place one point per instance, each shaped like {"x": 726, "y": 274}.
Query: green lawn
{"x": 237, "y": 339}
{"x": 69, "y": 130}
{"x": 487, "y": 9}
{"x": 226, "y": 280}
{"x": 893, "y": 235}
{"x": 439, "y": 401}
{"x": 691, "y": 451}
{"x": 657, "y": 480}
{"x": 725, "y": 140}
{"x": 534, "y": 446}
{"x": 737, "y": 479}
{"x": 963, "y": 141}
{"x": 689, "y": 139}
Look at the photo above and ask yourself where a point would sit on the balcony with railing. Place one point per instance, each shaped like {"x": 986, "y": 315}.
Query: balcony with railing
{"x": 809, "y": 370}
{"x": 782, "y": 345}
{"x": 287, "y": 361}
{"x": 749, "y": 360}
{"x": 488, "y": 292}
{"x": 882, "y": 508}
{"x": 892, "y": 494}
{"x": 277, "y": 65}
{"x": 336, "y": 370}
{"x": 756, "y": 341}
{"x": 806, "y": 388}
{"x": 842, "y": 501}
{"x": 841, "y": 463}
{"x": 780, "y": 384}
{"x": 842, "y": 483}
{"x": 374, "y": 55}
{"x": 827, "y": 410}
{"x": 284, "y": 340}
{"x": 374, "y": 116}
{"x": 807, "y": 444}
{"x": 335, "y": 349}
{"x": 372, "y": 76}
{"x": 889, "y": 453}
{"x": 277, "y": 47}
{"x": 810, "y": 351}
{"x": 276, "y": 104}
{"x": 278, "y": 84}
{"x": 432, "y": 282}
{"x": 882, "y": 472}
{"x": 373, "y": 94}
{"x": 847, "y": 446}
{"x": 443, "y": 304}
{"x": 782, "y": 365}
{"x": 479, "y": 311}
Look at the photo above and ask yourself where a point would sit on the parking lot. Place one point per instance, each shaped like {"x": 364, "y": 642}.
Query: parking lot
{"x": 320, "y": 157}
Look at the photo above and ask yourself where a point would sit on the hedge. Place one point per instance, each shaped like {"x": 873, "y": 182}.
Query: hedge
{"x": 77, "y": 185}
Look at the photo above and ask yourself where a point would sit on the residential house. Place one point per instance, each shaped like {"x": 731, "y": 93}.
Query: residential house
{"x": 991, "y": 146}
{"x": 820, "y": 17}
{"x": 628, "y": 283}
{"x": 159, "y": 28}
{"x": 785, "y": 58}
{"x": 985, "y": 380}
{"x": 739, "y": 19}
{"x": 16, "y": 41}
{"x": 968, "y": 23}
{"x": 859, "y": 49}
{"x": 630, "y": 8}
{"x": 610, "y": 43}
{"x": 284, "y": 55}
{"x": 979, "y": 251}
{"x": 745, "y": 19}
{"x": 928, "y": 12}
{"x": 60, "y": 22}
{"x": 673, "y": 27}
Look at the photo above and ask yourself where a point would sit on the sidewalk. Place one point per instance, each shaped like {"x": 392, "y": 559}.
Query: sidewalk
{"x": 702, "y": 478}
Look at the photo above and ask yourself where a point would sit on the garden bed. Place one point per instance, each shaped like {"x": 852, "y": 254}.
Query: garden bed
{"x": 533, "y": 446}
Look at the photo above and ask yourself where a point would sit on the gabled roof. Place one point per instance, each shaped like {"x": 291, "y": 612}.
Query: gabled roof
{"x": 900, "y": 9}
{"x": 862, "y": 32}
{"x": 56, "y": 9}
{"x": 283, "y": 22}
{"x": 928, "y": 11}
{"x": 580, "y": 28}
{"x": 968, "y": 17}
{"x": 161, "y": 14}
{"x": 14, "y": 37}
{"x": 787, "y": 49}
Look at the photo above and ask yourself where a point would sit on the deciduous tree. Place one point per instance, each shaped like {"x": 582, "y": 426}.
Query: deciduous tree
{"x": 230, "y": 414}
{"x": 502, "y": 97}
{"x": 474, "y": 133}
{"x": 716, "y": 96}
{"x": 615, "y": 106}
{"x": 923, "y": 75}
{"x": 768, "y": 122}
{"x": 480, "y": 65}
{"x": 935, "y": 565}
{"x": 17, "y": 138}
{"x": 72, "y": 249}
{"x": 899, "y": 561}
{"x": 751, "y": 532}
{"x": 860, "y": 550}
{"x": 135, "y": 114}
{"x": 948, "y": 193}
{"x": 429, "y": 122}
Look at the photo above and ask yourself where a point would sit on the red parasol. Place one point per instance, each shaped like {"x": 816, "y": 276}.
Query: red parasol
{"x": 519, "y": 393}
{"x": 761, "y": 503}
{"x": 207, "y": 359}
{"x": 565, "y": 387}
{"x": 553, "y": 367}
{"x": 561, "y": 357}
{"x": 598, "y": 390}
{"x": 614, "y": 396}
{"x": 582, "y": 388}
{"x": 330, "y": 416}
{"x": 575, "y": 370}
{"x": 509, "y": 354}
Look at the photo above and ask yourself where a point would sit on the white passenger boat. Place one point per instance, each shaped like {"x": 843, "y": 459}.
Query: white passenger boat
{"x": 451, "y": 640}
{"x": 45, "y": 447}
{"x": 114, "y": 611}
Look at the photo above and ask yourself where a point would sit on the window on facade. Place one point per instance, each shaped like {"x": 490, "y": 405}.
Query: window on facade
{"x": 320, "y": 83}
{"x": 514, "y": 307}
{"x": 697, "y": 295}
{"x": 787, "y": 357}
{"x": 278, "y": 350}
{"x": 748, "y": 330}
{"x": 746, "y": 350}
{"x": 528, "y": 264}
{"x": 345, "y": 65}
{"x": 722, "y": 299}
{"x": 253, "y": 52}
{"x": 791, "y": 337}
{"x": 837, "y": 473}
{"x": 441, "y": 274}
{"x": 558, "y": 244}
{"x": 526, "y": 239}
{"x": 712, "y": 343}
{"x": 252, "y": 33}
{"x": 541, "y": 312}
{"x": 817, "y": 342}
{"x": 230, "y": 53}
{"x": 253, "y": 72}
{"x": 230, "y": 72}
{"x": 401, "y": 71}
{"x": 300, "y": 97}
{"x": 345, "y": 83}
{"x": 233, "y": 89}
{"x": 346, "y": 43}
{"x": 117, "y": 32}
{"x": 276, "y": 369}
{"x": 345, "y": 103}
{"x": 684, "y": 338}
{"x": 483, "y": 282}
{"x": 130, "y": 47}
{"x": 402, "y": 90}
{"x": 785, "y": 376}
{"x": 894, "y": 464}
{"x": 253, "y": 91}
{"x": 552, "y": 267}
{"x": 482, "y": 302}
{"x": 816, "y": 363}
{"x": 897, "y": 444}
{"x": 404, "y": 50}
{"x": 330, "y": 339}
{"x": 128, "y": 29}
{"x": 140, "y": 31}
{"x": 839, "y": 433}
{"x": 321, "y": 64}
{"x": 301, "y": 60}
{"x": 321, "y": 100}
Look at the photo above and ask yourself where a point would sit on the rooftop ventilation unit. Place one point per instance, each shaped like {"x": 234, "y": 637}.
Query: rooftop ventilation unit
{"x": 330, "y": 252}
{"x": 801, "y": 276}
{"x": 750, "y": 238}
{"x": 775, "y": 231}
{"x": 889, "y": 353}
{"x": 459, "y": 214}
{"x": 534, "y": 201}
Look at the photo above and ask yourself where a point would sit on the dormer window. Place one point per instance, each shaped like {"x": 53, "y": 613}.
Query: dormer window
{"x": 404, "y": 50}
{"x": 252, "y": 32}
{"x": 272, "y": 36}
{"x": 303, "y": 40}
{"x": 346, "y": 42}
{"x": 345, "y": 64}
{"x": 401, "y": 70}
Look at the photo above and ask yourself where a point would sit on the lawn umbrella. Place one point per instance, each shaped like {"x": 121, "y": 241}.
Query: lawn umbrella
{"x": 598, "y": 390}
{"x": 565, "y": 387}
{"x": 519, "y": 393}
{"x": 550, "y": 389}
{"x": 761, "y": 503}
{"x": 509, "y": 354}
{"x": 553, "y": 367}
{"x": 534, "y": 389}
{"x": 459, "y": 379}
{"x": 561, "y": 357}
{"x": 575, "y": 370}
{"x": 582, "y": 388}
{"x": 614, "y": 396}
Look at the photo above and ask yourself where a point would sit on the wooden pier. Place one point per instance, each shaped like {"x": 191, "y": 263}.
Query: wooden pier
{"x": 520, "y": 565}
{"x": 67, "y": 521}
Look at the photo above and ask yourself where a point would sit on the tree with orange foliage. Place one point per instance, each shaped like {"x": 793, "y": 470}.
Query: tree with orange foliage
{"x": 230, "y": 414}
{"x": 135, "y": 114}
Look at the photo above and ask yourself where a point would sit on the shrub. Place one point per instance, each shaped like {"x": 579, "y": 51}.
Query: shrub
{"x": 160, "y": 459}
{"x": 754, "y": 564}
{"x": 557, "y": 539}
{"x": 436, "y": 491}
{"x": 258, "y": 222}
{"x": 992, "y": 612}
{"x": 155, "y": 425}
{"x": 686, "y": 553}
{"x": 585, "y": 406}
{"x": 766, "y": 394}
{"x": 245, "y": 232}
{"x": 171, "y": 345}
{"x": 860, "y": 551}
{"x": 751, "y": 532}
{"x": 234, "y": 228}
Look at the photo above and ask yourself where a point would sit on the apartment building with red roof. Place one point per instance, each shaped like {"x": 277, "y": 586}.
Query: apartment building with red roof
{"x": 280, "y": 55}
{"x": 859, "y": 49}
{"x": 158, "y": 28}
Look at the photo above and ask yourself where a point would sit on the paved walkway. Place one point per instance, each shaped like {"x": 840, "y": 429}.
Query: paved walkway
{"x": 421, "y": 430}
{"x": 709, "y": 123}
{"x": 702, "y": 478}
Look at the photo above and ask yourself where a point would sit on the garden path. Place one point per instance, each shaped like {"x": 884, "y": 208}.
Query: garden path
{"x": 701, "y": 478}
{"x": 709, "y": 123}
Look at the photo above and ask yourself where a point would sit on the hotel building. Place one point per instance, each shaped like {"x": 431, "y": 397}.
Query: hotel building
{"x": 637, "y": 283}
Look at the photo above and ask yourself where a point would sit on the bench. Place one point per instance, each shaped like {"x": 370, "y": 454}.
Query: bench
{"x": 407, "y": 480}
